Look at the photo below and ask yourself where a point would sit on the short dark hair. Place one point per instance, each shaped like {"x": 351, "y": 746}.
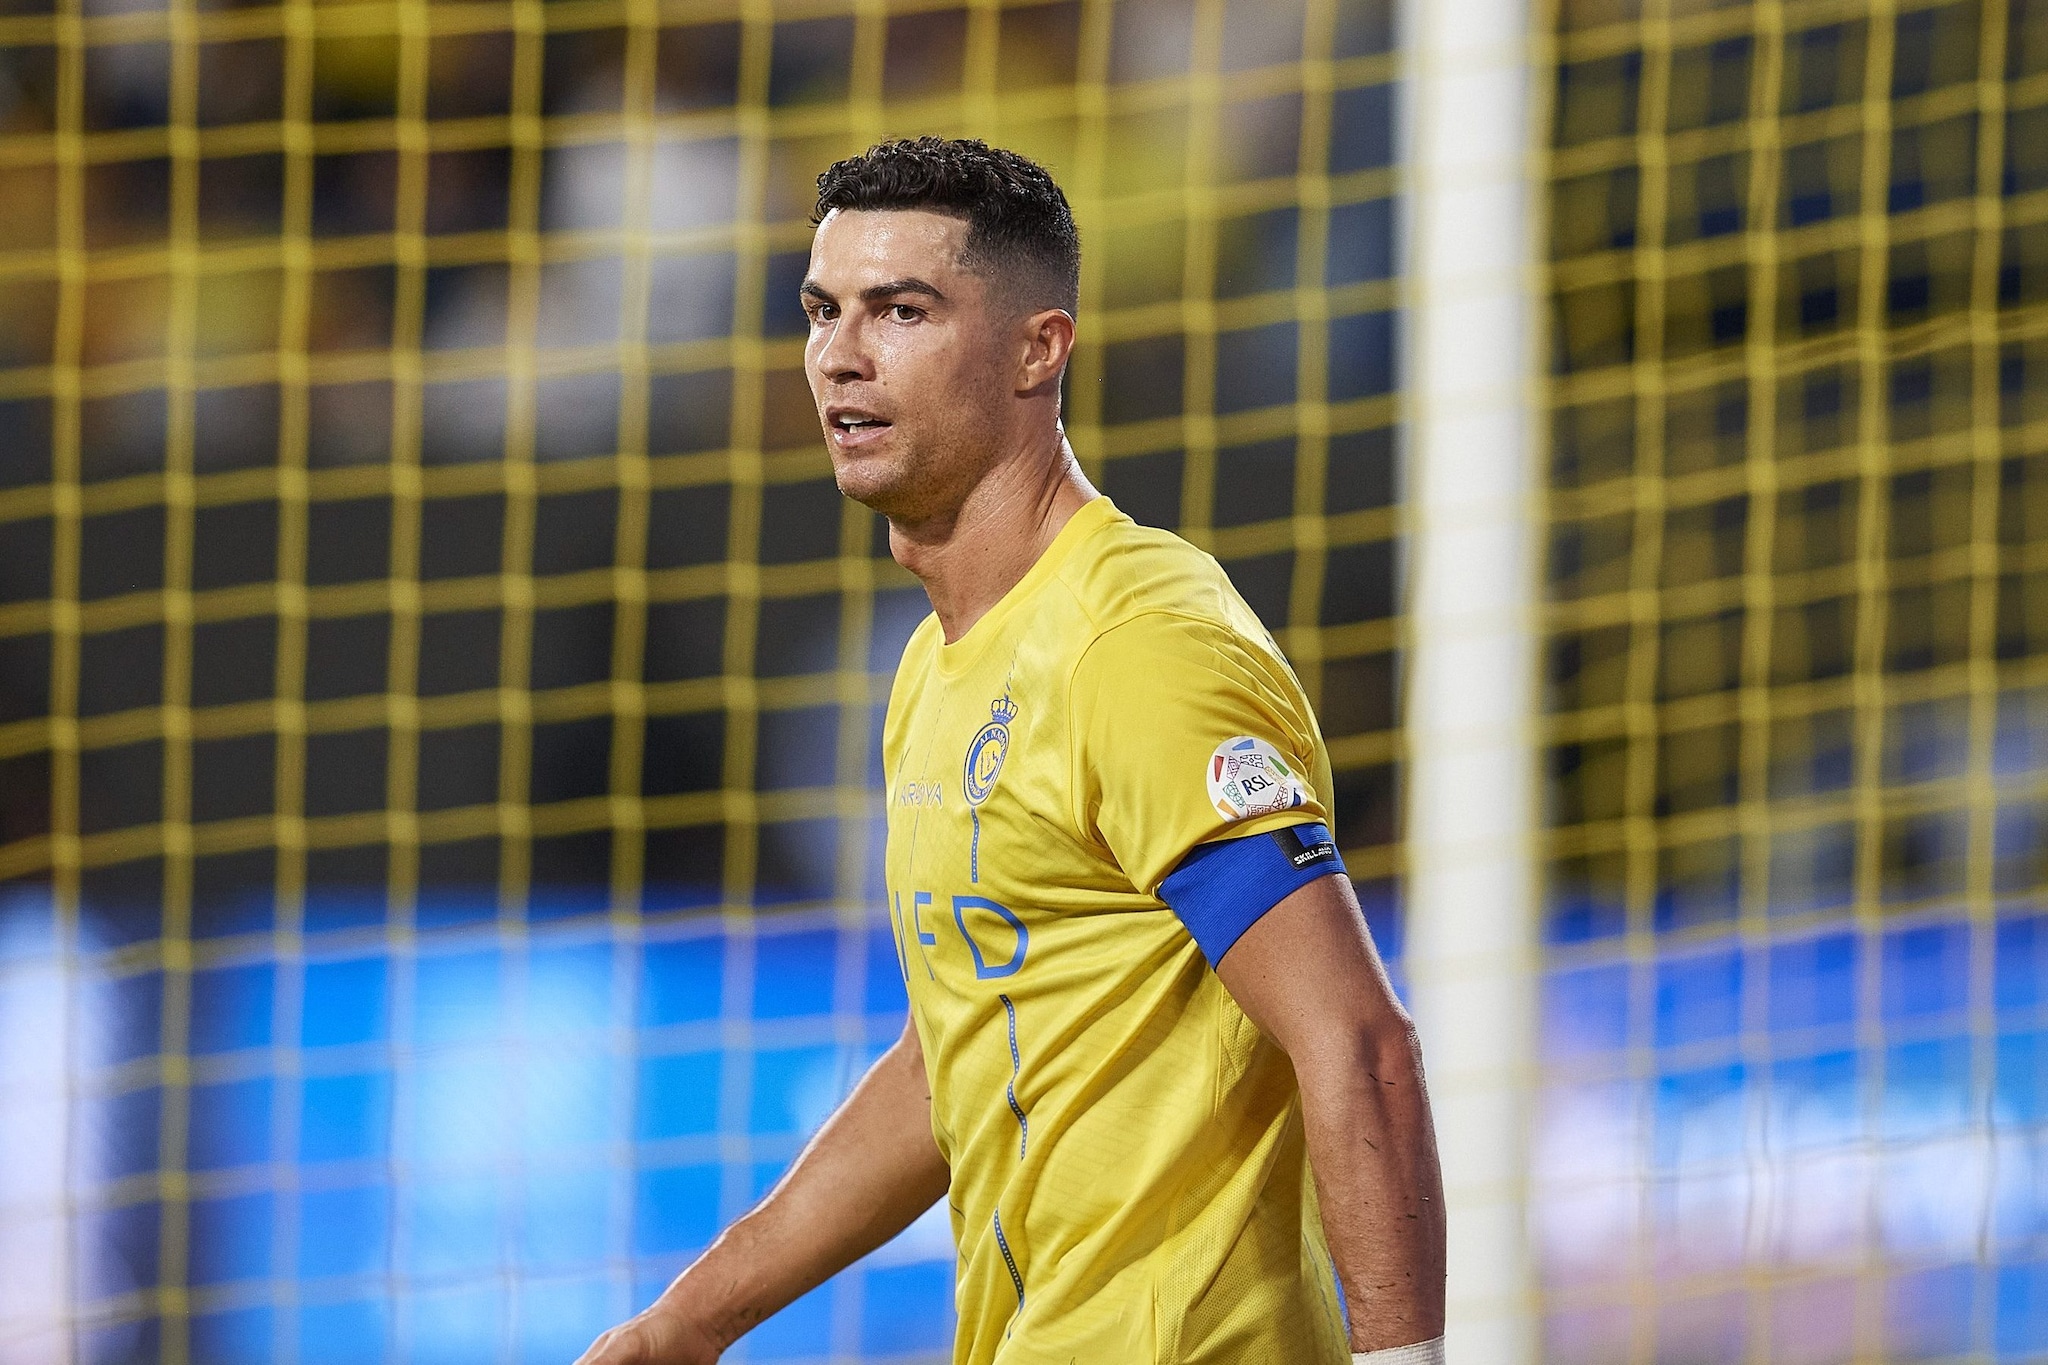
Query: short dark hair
{"x": 1019, "y": 227}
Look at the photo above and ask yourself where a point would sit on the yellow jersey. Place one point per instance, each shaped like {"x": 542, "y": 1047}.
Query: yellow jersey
{"x": 1129, "y": 1181}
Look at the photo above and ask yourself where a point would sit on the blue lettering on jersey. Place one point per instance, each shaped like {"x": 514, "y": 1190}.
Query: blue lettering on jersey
{"x": 925, "y": 938}
{"x": 982, "y": 967}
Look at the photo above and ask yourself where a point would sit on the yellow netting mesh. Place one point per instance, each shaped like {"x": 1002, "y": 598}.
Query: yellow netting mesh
{"x": 1797, "y": 681}
{"x": 412, "y": 521}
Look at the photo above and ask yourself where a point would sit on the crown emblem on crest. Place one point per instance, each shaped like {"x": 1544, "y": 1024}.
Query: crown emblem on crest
{"x": 1004, "y": 710}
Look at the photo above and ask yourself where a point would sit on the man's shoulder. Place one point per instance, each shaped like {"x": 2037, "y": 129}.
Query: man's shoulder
{"x": 1164, "y": 618}
{"x": 1126, "y": 572}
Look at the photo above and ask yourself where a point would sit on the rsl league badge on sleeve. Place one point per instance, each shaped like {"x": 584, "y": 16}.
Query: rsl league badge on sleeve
{"x": 1248, "y": 777}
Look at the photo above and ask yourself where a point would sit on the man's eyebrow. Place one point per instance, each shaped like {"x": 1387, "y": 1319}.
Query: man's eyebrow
{"x": 874, "y": 293}
{"x": 910, "y": 284}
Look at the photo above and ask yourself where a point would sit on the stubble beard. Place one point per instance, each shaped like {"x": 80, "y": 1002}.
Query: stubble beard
{"x": 927, "y": 476}
{"x": 894, "y": 483}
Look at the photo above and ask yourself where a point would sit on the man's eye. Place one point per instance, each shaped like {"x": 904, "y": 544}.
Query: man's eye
{"x": 823, "y": 312}
{"x": 904, "y": 312}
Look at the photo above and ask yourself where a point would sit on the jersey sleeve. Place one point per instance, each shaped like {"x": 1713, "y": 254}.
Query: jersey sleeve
{"x": 1187, "y": 733}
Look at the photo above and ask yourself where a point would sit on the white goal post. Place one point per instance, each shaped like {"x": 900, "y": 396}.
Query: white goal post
{"x": 1470, "y": 448}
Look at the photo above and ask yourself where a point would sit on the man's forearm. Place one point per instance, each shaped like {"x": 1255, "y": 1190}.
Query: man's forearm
{"x": 870, "y": 1171}
{"x": 1373, "y": 1151}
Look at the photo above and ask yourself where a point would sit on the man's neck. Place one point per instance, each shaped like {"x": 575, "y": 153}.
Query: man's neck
{"x": 970, "y": 558}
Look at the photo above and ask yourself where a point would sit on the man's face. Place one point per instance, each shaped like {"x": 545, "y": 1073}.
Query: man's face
{"x": 905, "y": 360}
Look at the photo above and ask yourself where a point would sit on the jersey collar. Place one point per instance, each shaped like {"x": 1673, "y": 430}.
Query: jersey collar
{"x": 1091, "y": 516}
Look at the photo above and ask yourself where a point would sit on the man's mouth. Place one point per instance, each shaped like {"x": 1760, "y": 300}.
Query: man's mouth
{"x": 850, "y": 427}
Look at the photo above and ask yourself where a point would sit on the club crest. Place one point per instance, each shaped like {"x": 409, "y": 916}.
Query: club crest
{"x": 986, "y": 751}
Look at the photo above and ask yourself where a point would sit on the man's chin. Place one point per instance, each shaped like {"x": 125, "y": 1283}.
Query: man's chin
{"x": 869, "y": 479}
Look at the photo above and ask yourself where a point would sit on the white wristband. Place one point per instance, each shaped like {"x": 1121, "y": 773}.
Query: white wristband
{"x": 1421, "y": 1353}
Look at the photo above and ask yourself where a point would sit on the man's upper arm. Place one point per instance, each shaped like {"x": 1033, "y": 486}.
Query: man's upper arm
{"x": 1306, "y": 971}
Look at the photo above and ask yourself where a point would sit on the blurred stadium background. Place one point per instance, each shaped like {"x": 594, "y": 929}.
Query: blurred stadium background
{"x": 440, "y": 685}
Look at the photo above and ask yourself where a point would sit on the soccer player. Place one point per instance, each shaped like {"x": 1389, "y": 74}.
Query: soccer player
{"x": 1152, "y": 1063}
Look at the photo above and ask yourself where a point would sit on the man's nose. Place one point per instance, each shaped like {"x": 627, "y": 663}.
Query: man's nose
{"x": 842, "y": 353}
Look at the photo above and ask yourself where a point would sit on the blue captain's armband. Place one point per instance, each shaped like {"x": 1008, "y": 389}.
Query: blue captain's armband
{"x": 1220, "y": 889}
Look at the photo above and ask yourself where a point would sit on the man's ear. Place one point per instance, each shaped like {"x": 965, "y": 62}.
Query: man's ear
{"x": 1048, "y": 338}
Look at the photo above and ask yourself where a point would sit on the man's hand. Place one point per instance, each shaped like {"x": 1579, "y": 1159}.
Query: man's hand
{"x": 871, "y": 1170}
{"x": 1307, "y": 975}
{"x": 651, "y": 1339}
